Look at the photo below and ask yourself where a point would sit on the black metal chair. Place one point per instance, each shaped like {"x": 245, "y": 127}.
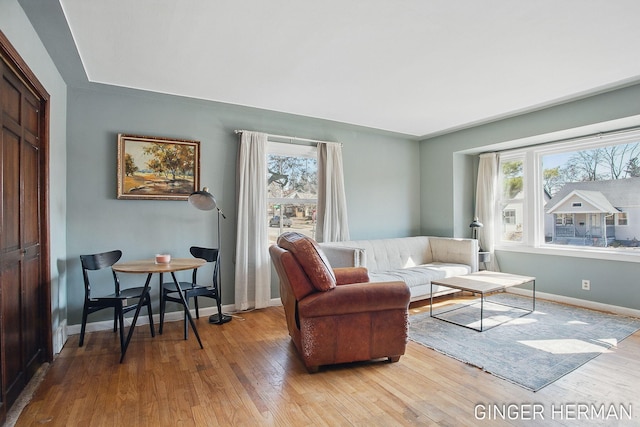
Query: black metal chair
{"x": 121, "y": 301}
{"x": 193, "y": 289}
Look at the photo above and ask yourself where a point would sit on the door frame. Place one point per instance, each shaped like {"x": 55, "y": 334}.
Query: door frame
{"x": 10, "y": 56}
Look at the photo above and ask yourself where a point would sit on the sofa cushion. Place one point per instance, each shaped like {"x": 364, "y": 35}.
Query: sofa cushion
{"x": 420, "y": 275}
{"x": 414, "y": 260}
{"x": 391, "y": 254}
{"x": 311, "y": 258}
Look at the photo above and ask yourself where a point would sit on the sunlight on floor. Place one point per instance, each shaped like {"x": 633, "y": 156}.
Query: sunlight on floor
{"x": 568, "y": 346}
{"x": 520, "y": 321}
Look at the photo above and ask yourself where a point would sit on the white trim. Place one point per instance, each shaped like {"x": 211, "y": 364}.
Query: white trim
{"x": 533, "y": 236}
{"x": 559, "y": 250}
{"x": 292, "y": 150}
{"x": 143, "y": 319}
{"x": 292, "y": 138}
{"x": 608, "y": 126}
{"x": 287, "y": 201}
{"x": 275, "y": 302}
{"x": 589, "y": 142}
{"x": 592, "y": 305}
{"x": 60, "y": 336}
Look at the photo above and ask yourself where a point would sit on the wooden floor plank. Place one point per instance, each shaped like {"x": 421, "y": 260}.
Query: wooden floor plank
{"x": 249, "y": 374}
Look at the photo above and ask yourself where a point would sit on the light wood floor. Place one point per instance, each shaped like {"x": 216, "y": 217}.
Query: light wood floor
{"x": 249, "y": 374}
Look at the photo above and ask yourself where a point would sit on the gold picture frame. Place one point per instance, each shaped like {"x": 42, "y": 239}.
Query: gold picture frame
{"x": 155, "y": 168}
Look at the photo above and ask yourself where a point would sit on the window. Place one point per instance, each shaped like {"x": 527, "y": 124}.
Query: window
{"x": 512, "y": 198}
{"x": 509, "y": 216}
{"x": 292, "y": 186}
{"x": 564, "y": 219}
{"x": 562, "y": 194}
{"x": 621, "y": 218}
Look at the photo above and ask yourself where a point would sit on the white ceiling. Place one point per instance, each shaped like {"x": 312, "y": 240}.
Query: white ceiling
{"x": 418, "y": 67}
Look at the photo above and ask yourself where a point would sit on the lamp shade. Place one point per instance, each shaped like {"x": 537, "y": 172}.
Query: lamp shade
{"x": 203, "y": 200}
{"x": 476, "y": 223}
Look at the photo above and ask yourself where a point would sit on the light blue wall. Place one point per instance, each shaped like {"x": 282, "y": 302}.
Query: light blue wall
{"x": 382, "y": 177}
{"x": 17, "y": 28}
{"x": 449, "y": 167}
{"x": 382, "y": 169}
{"x": 395, "y": 185}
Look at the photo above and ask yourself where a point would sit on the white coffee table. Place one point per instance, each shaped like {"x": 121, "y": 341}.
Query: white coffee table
{"x": 483, "y": 283}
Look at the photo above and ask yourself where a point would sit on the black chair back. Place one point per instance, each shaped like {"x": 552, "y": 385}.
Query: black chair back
{"x": 101, "y": 260}
{"x": 209, "y": 255}
{"x": 98, "y": 262}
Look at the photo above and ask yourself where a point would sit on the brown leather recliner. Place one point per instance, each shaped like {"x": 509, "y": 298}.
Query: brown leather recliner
{"x": 335, "y": 315}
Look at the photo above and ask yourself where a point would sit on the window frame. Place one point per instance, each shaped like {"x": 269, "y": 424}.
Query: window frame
{"x": 621, "y": 216}
{"x": 533, "y": 239}
{"x": 289, "y": 150}
{"x": 510, "y": 156}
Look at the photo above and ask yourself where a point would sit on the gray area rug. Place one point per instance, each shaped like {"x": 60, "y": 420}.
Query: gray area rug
{"x": 531, "y": 351}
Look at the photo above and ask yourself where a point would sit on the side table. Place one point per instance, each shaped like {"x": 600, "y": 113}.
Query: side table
{"x": 483, "y": 258}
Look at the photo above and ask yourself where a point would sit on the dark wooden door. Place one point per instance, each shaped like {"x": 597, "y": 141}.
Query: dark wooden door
{"x": 23, "y": 286}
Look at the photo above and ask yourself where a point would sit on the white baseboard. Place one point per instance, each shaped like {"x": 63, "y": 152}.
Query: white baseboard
{"x": 62, "y": 333}
{"x": 143, "y": 319}
{"x": 623, "y": 311}
{"x": 275, "y": 302}
{"x": 60, "y": 336}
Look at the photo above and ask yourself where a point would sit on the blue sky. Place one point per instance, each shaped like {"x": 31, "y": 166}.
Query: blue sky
{"x": 552, "y": 160}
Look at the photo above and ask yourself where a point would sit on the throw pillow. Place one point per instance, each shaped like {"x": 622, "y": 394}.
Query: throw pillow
{"x": 311, "y": 258}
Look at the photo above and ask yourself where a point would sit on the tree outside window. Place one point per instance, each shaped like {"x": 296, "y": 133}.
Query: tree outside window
{"x": 292, "y": 190}
{"x": 512, "y": 199}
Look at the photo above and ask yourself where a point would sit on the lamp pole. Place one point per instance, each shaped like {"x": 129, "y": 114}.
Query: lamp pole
{"x": 203, "y": 200}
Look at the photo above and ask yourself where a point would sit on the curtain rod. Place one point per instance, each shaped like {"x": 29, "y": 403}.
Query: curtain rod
{"x": 292, "y": 138}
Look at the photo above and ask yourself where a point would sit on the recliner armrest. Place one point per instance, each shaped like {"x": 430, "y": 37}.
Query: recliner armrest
{"x": 356, "y": 298}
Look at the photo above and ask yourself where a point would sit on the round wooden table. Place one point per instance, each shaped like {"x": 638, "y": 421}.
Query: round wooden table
{"x": 149, "y": 267}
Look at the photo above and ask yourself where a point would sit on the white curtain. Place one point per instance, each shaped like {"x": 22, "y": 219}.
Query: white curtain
{"x": 486, "y": 196}
{"x": 332, "y": 225}
{"x": 253, "y": 268}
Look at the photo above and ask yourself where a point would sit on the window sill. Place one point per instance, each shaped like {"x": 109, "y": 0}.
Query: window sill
{"x": 609, "y": 255}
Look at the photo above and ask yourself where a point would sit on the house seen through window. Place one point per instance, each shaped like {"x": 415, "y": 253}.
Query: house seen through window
{"x": 584, "y": 194}
{"x": 292, "y": 189}
{"x": 512, "y": 198}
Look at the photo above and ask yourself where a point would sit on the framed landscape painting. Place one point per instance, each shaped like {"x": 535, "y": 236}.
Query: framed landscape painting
{"x": 157, "y": 168}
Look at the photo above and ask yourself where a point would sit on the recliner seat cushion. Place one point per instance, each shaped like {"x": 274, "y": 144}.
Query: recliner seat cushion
{"x": 311, "y": 258}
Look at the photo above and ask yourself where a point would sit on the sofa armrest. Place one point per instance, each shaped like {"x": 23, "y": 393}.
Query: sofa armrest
{"x": 344, "y": 256}
{"x": 349, "y": 275}
{"x": 356, "y": 298}
{"x": 453, "y": 250}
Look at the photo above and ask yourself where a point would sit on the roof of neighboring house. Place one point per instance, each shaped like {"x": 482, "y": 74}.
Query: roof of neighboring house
{"x": 620, "y": 193}
{"x": 295, "y": 194}
{"x": 597, "y": 203}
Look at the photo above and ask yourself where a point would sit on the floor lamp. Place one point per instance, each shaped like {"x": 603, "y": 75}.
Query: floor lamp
{"x": 475, "y": 224}
{"x": 205, "y": 201}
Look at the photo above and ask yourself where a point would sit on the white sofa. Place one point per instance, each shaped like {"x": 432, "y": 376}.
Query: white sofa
{"x": 414, "y": 260}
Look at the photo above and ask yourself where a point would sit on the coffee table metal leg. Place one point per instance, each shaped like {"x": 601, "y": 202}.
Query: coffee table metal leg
{"x": 471, "y": 287}
{"x": 431, "y": 305}
{"x": 534, "y": 295}
{"x": 481, "y": 310}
